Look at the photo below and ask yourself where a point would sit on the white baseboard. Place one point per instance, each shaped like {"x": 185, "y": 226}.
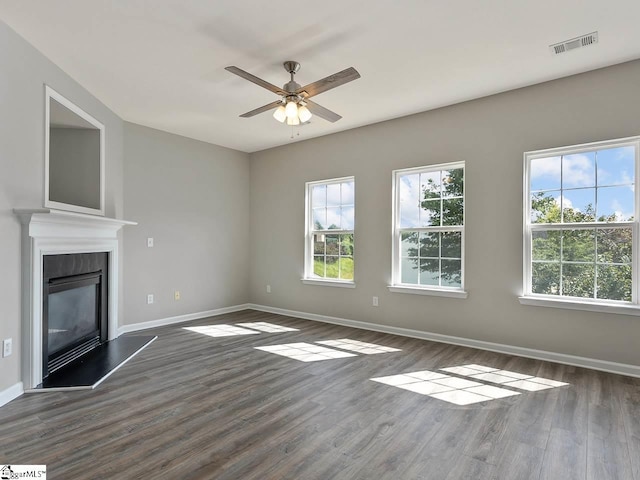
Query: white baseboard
{"x": 592, "y": 363}
{"x": 134, "y": 327}
{"x": 11, "y": 393}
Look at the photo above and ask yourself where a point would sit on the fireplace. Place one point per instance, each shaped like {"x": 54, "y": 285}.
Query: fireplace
{"x": 74, "y": 307}
{"x": 55, "y": 233}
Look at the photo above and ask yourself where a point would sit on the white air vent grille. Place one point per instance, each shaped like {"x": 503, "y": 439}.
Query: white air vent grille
{"x": 583, "y": 41}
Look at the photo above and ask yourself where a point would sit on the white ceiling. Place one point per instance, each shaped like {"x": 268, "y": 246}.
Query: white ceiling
{"x": 161, "y": 63}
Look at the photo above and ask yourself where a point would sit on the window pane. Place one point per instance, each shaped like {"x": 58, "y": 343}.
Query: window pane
{"x": 452, "y": 244}
{"x": 615, "y": 204}
{"x": 453, "y": 211}
{"x": 332, "y": 209}
{"x": 546, "y": 245}
{"x": 430, "y": 185}
{"x": 319, "y": 196}
{"x": 409, "y": 201}
{"x": 318, "y": 244}
{"x": 578, "y": 280}
{"x": 320, "y": 218}
{"x": 348, "y": 196}
{"x": 332, "y": 244}
{"x": 545, "y": 173}
{"x": 430, "y": 213}
{"x": 346, "y": 268}
{"x": 409, "y": 270}
{"x": 332, "y": 267}
{"x": 333, "y": 195}
{"x": 318, "y": 266}
{"x": 429, "y": 272}
{"x": 333, "y": 218}
{"x": 579, "y": 205}
{"x": 429, "y": 244}
{"x": 451, "y": 273}
{"x": 614, "y": 282}
{"x": 346, "y": 244}
{"x": 421, "y": 253}
{"x": 409, "y": 244}
{"x": 545, "y": 207}
{"x": 546, "y": 278}
{"x": 616, "y": 166}
{"x": 348, "y": 216}
{"x": 578, "y": 246}
{"x": 615, "y": 245}
{"x": 579, "y": 170}
{"x": 453, "y": 183}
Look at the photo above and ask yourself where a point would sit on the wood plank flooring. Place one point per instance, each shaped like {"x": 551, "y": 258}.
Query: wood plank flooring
{"x": 191, "y": 406}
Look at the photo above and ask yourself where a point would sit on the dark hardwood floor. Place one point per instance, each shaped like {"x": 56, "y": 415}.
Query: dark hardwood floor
{"x": 191, "y": 406}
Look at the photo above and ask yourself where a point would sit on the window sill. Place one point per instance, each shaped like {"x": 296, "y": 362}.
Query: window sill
{"x": 328, "y": 283}
{"x": 622, "y": 309}
{"x": 437, "y": 292}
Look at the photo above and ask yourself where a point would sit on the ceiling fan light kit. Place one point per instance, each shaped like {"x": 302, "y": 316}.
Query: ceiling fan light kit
{"x": 304, "y": 114}
{"x": 280, "y": 114}
{"x": 294, "y": 105}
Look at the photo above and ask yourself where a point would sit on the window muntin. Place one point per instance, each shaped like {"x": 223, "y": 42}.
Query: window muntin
{"x": 330, "y": 227}
{"x": 429, "y": 227}
{"x": 581, "y": 226}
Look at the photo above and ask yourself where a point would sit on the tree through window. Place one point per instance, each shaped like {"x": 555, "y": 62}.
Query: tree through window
{"x": 581, "y": 221}
{"x": 330, "y": 226}
{"x": 429, "y": 227}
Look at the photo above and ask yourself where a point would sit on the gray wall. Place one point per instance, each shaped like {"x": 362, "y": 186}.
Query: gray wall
{"x": 74, "y": 166}
{"x": 23, "y": 74}
{"x": 490, "y": 135}
{"x": 193, "y": 199}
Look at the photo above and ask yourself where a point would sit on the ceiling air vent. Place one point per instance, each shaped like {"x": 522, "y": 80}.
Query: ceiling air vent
{"x": 567, "y": 45}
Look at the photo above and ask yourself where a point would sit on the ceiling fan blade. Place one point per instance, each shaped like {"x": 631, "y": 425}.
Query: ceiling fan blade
{"x": 327, "y": 83}
{"x": 264, "y": 108}
{"x": 256, "y": 80}
{"x": 322, "y": 112}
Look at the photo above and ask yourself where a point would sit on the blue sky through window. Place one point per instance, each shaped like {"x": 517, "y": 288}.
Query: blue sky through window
{"x": 576, "y": 175}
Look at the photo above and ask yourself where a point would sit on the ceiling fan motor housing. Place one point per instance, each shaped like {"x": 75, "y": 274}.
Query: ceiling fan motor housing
{"x": 291, "y": 87}
{"x": 292, "y": 67}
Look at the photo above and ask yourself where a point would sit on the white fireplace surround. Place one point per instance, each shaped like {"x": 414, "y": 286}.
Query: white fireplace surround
{"x": 55, "y": 232}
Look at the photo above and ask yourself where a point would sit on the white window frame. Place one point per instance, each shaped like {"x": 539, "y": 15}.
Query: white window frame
{"x": 576, "y": 303}
{"x": 308, "y": 277}
{"x": 396, "y": 285}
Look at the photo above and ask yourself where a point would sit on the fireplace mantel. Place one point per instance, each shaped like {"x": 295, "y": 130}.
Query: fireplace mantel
{"x": 53, "y": 232}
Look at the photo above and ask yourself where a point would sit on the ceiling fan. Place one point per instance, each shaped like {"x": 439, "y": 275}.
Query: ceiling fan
{"x": 294, "y": 105}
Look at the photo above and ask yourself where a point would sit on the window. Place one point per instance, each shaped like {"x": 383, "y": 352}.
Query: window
{"x": 580, "y": 222}
{"x": 329, "y": 237}
{"x": 428, "y": 229}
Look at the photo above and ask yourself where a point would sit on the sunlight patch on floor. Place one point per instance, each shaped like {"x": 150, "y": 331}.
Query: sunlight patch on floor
{"x": 221, "y": 330}
{"x": 267, "y": 327}
{"x": 305, "y": 352}
{"x": 445, "y": 387}
{"x": 358, "y": 346}
{"x": 507, "y": 378}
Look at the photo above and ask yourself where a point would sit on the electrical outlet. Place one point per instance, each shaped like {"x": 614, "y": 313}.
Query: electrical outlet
{"x": 268, "y": 288}
{"x": 7, "y": 347}
{"x": 150, "y": 299}
{"x": 176, "y": 295}
{"x": 375, "y": 301}
{"x": 150, "y": 242}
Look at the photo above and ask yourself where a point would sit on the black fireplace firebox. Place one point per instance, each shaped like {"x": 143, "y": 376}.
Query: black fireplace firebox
{"x": 75, "y": 307}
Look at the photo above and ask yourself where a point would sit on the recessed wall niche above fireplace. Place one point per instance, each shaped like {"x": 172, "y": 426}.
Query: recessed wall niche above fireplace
{"x": 74, "y": 163}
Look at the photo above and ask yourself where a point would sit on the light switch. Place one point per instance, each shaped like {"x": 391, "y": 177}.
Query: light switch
{"x": 150, "y": 242}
